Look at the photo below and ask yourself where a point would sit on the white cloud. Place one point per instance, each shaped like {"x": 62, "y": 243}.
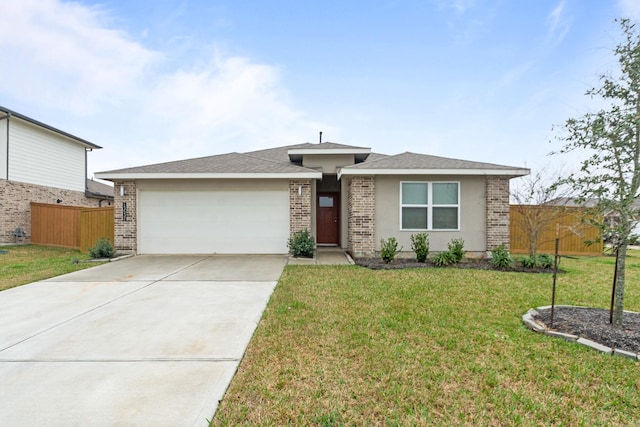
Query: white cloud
{"x": 460, "y": 6}
{"x": 64, "y": 57}
{"x": 61, "y": 54}
{"x": 558, "y": 24}
{"x": 630, "y": 9}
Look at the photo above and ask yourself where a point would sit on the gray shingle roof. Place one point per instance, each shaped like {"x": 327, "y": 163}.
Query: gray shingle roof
{"x": 99, "y": 189}
{"x": 409, "y": 160}
{"x": 235, "y": 163}
{"x": 281, "y": 154}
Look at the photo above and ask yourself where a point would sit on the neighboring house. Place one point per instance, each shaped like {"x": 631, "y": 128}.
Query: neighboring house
{"x": 39, "y": 163}
{"x": 347, "y": 196}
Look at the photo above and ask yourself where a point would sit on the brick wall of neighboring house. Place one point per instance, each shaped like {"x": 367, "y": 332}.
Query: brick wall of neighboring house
{"x": 125, "y": 229}
{"x": 497, "y": 212}
{"x": 299, "y": 205}
{"x": 15, "y": 208}
{"x": 361, "y": 222}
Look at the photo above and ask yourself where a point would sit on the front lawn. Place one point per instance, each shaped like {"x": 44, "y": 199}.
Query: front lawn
{"x": 22, "y": 264}
{"x": 343, "y": 345}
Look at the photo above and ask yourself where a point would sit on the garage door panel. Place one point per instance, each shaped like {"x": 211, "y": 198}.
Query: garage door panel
{"x": 213, "y": 221}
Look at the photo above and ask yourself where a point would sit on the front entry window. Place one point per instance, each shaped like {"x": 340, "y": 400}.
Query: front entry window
{"x": 326, "y": 202}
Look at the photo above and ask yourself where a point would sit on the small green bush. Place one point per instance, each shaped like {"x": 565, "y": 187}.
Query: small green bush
{"x": 444, "y": 258}
{"x": 102, "y": 249}
{"x": 545, "y": 260}
{"x": 420, "y": 245}
{"x": 500, "y": 257}
{"x": 537, "y": 261}
{"x": 528, "y": 261}
{"x": 456, "y": 247}
{"x": 389, "y": 249}
{"x": 301, "y": 244}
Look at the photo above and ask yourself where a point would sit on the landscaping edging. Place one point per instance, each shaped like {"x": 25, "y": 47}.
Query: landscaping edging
{"x": 531, "y": 323}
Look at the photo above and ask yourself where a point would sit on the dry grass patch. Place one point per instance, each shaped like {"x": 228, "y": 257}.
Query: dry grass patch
{"x": 343, "y": 345}
{"x": 24, "y": 264}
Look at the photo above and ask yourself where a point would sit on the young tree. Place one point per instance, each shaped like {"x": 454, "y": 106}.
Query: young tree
{"x": 611, "y": 137}
{"x": 533, "y": 197}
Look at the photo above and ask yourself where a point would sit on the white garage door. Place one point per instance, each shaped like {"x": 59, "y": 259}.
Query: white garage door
{"x": 206, "y": 222}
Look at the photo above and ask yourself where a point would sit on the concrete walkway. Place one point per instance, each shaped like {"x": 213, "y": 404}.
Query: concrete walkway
{"x": 325, "y": 255}
{"x": 146, "y": 341}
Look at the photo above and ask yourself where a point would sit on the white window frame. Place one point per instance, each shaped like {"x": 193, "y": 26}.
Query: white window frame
{"x": 429, "y": 206}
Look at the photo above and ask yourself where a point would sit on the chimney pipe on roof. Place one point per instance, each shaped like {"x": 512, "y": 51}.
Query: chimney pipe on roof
{"x": 320, "y": 137}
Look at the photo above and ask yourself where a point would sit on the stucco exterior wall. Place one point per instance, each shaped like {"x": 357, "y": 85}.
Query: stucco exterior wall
{"x": 15, "y": 208}
{"x": 472, "y": 214}
{"x": 328, "y": 162}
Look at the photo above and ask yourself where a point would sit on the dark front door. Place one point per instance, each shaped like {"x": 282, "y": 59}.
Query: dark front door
{"x": 328, "y": 218}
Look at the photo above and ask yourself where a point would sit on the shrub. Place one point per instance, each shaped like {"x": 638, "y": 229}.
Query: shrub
{"x": 456, "y": 247}
{"x": 389, "y": 249}
{"x": 102, "y": 249}
{"x": 420, "y": 245}
{"x": 545, "y": 260}
{"x": 537, "y": 261}
{"x": 301, "y": 244}
{"x": 444, "y": 258}
{"x": 528, "y": 261}
{"x": 500, "y": 257}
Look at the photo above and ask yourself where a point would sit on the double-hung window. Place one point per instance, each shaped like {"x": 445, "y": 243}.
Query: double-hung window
{"x": 429, "y": 205}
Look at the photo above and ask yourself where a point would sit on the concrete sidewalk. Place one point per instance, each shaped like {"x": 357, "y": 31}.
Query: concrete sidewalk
{"x": 146, "y": 341}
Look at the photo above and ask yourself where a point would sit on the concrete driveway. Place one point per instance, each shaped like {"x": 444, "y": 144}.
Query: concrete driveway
{"x": 146, "y": 341}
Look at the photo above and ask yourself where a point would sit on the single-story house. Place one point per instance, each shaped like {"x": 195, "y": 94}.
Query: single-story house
{"x": 42, "y": 164}
{"x": 345, "y": 195}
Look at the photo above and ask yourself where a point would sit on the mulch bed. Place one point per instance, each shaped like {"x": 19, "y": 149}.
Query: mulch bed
{"x": 477, "y": 264}
{"x": 593, "y": 324}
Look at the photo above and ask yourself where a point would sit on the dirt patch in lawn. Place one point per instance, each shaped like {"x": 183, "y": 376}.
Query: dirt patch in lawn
{"x": 593, "y": 324}
{"x": 477, "y": 264}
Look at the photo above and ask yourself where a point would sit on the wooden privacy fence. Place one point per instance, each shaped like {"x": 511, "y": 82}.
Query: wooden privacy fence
{"x": 70, "y": 226}
{"x": 573, "y": 230}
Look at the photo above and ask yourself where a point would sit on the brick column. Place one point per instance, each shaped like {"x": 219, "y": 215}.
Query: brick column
{"x": 497, "y": 212}
{"x": 299, "y": 205}
{"x": 125, "y": 229}
{"x": 362, "y": 206}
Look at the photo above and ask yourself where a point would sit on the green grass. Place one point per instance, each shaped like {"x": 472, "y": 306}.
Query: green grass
{"x": 28, "y": 263}
{"x": 342, "y": 345}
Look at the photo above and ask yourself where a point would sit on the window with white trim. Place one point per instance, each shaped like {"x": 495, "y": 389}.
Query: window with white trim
{"x": 429, "y": 205}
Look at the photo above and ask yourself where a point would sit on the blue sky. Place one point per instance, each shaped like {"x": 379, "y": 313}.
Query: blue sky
{"x": 157, "y": 81}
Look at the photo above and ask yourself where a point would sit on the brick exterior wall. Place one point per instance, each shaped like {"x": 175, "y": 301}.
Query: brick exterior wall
{"x": 361, "y": 233}
{"x": 126, "y": 229}
{"x": 497, "y": 212}
{"x": 299, "y": 205}
{"x": 15, "y": 208}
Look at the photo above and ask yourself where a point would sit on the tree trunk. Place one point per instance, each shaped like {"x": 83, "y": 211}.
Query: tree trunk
{"x": 621, "y": 255}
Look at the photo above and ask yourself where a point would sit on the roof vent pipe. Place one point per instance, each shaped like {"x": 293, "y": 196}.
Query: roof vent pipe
{"x": 320, "y": 137}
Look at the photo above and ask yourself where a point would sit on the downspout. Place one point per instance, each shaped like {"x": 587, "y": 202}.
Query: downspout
{"x": 2, "y": 118}
{"x": 86, "y": 168}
